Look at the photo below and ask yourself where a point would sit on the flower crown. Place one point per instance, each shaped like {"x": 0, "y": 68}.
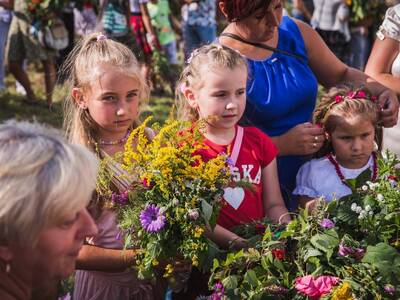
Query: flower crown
{"x": 351, "y": 95}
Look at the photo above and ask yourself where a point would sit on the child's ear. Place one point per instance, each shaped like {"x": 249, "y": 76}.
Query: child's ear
{"x": 78, "y": 97}
{"x": 190, "y": 97}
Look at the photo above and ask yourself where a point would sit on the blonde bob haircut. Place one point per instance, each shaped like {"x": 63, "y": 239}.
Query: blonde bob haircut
{"x": 43, "y": 180}
{"x": 82, "y": 67}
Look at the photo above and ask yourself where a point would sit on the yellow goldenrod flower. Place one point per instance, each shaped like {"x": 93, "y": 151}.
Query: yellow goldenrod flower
{"x": 168, "y": 270}
{"x": 343, "y": 293}
{"x": 198, "y": 231}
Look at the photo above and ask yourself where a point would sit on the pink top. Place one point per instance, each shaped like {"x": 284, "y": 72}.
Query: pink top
{"x": 96, "y": 285}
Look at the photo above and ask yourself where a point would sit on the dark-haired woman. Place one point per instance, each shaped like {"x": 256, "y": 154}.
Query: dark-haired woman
{"x": 287, "y": 60}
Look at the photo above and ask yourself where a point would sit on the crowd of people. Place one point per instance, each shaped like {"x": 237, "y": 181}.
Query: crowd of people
{"x": 255, "y": 84}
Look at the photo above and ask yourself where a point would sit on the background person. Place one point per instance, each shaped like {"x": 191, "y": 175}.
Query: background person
{"x": 285, "y": 69}
{"x": 384, "y": 65}
{"x": 45, "y": 186}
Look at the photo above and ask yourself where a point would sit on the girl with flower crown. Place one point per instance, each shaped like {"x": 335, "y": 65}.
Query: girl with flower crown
{"x": 349, "y": 119}
{"x": 107, "y": 90}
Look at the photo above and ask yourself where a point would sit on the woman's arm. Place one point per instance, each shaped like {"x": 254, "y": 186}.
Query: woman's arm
{"x": 274, "y": 206}
{"x": 95, "y": 258}
{"x": 147, "y": 23}
{"x": 380, "y": 63}
{"x": 330, "y": 71}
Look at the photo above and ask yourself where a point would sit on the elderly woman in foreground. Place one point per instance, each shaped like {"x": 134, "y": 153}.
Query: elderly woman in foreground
{"x": 45, "y": 185}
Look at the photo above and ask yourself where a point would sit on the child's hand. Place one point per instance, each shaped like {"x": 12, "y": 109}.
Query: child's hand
{"x": 311, "y": 205}
{"x": 303, "y": 139}
{"x": 238, "y": 243}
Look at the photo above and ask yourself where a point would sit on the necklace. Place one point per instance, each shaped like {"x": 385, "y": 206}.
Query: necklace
{"x": 116, "y": 142}
{"x": 339, "y": 171}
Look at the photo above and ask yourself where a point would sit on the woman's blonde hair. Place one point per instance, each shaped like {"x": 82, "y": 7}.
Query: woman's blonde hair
{"x": 206, "y": 58}
{"x": 82, "y": 68}
{"x": 43, "y": 180}
{"x": 340, "y": 103}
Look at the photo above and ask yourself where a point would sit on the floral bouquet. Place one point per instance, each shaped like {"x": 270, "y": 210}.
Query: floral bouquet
{"x": 347, "y": 249}
{"x": 175, "y": 199}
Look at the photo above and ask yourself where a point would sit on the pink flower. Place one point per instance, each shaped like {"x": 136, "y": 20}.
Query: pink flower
{"x": 374, "y": 98}
{"x": 361, "y": 94}
{"x": 344, "y": 250}
{"x": 315, "y": 288}
{"x": 338, "y": 98}
{"x": 351, "y": 94}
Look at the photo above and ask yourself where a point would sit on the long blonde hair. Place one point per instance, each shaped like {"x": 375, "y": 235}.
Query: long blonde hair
{"x": 213, "y": 56}
{"x": 340, "y": 103}
{"x": 81, "y": 68}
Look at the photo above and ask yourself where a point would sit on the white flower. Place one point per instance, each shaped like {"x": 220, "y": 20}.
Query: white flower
{"x": 371, "y": 212}
{"x": 364, "y": 188}
{"x": 175, "y": 202}
{"x": 360, "y": 217}
{"x": 358, "y": 209}
{"x": 353, "y": 206}
{"x": 380, "y": 197}
{"x": 367, "y": 208}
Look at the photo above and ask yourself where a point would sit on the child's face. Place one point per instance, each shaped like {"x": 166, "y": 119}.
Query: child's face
{"x": 353, "y": 142}
{"x": 113, "y": 102}
{"x": 221, "y": 99}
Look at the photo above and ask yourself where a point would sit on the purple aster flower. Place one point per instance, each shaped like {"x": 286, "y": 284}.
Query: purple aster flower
{"x": 344, "y": 250}
{"x": 389, "y": 289}
{"x": 327, "y": 224}
{"x": 121, "y": 199}
{"x": 152, "y": 219}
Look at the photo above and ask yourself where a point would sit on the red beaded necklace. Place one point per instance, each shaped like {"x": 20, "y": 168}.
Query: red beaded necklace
{"x": 339, "y": 171}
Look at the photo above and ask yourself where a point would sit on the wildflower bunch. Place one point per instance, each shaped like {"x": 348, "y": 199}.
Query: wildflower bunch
{"x": 176, "y": 198}
{"x": 346, "y": 249}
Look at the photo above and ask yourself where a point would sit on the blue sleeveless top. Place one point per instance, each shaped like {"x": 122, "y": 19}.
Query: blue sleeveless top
{"x": 281, "y": 93}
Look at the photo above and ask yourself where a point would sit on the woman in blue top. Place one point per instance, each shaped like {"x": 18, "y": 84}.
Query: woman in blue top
{"x": 283, "y": 83}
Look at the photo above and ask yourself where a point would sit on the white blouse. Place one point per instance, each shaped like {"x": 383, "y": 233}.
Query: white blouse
{"x": 391, "y": 28}
{"x": 318, "y": 178}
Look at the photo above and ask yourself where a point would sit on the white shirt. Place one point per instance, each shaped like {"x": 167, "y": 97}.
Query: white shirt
{"x": 318, "y": 178}
{"x": 135, "y": 5}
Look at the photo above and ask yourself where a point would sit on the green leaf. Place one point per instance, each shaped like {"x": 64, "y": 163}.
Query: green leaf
{"x": 207, "y": 210}
{"x": 384, "y": 258}
{"x": 326, "y": 241}
{"x": 312, "y": 252}
{"x": 230, "y": 282}
{"x": 251, "y": 278}
{"x": 215, "y": 264}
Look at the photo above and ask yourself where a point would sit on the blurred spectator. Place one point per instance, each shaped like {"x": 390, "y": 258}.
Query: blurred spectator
{"x": 360, "y": 44}
{"x": 85, "y": 19}
{"x": 198, "y": 24}
{"x": 303, "y": 10}
{"x": 5, "y": 19}
{"x": 67, "y": 16}
{"x": 331, "y": 21}
{"x": 146, "y": 37}
{"x": 164, "y": 24}
{"x": 23, "y": 44}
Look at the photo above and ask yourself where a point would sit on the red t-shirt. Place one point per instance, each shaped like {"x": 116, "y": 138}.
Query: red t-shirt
{"x": 256, "y": 152}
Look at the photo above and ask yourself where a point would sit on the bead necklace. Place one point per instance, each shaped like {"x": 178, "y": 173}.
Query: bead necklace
{"x": 339, "y": 171}
{"x": 116, "y": 142}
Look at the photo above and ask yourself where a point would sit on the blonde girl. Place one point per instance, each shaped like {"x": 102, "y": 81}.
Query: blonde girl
{"x": 212, "y": 87}
{"x": 107, "y": 90}
{"x": 349, "y": 118}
